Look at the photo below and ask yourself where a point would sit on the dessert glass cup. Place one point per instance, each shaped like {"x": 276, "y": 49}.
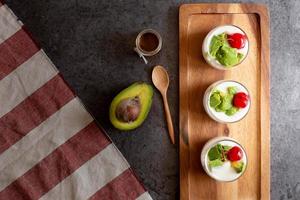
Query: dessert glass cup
{"x": 204, "y": 157}
{"x": 230, "y": 29}
{"x": 221, "y": 117}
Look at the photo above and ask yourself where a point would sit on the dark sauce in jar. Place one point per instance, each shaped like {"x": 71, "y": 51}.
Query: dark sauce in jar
{"x": 149, "y": 42}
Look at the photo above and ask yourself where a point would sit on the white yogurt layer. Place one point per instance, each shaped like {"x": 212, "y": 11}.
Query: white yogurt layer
{"x": 224, "y": 172}
{"x": 228, "y": 29}
{"x": 221, "y": 116}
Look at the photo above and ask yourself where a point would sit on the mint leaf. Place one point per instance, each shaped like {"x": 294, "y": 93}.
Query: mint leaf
{"x": 220, "y": 148}
{"x": 214, "y": 153}
{"x": 226, "y": 148}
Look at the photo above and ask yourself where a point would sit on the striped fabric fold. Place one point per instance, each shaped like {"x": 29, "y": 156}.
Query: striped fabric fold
{"x": 14, "y": 51}
{"x": 32, "y": 111}
{"x": 123, "y": 187}
{"x": 9, "y": 21}
{"x": 50, "y": 146}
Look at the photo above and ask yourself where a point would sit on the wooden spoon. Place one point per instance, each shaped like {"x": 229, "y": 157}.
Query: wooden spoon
{"x": 160, "y": 79}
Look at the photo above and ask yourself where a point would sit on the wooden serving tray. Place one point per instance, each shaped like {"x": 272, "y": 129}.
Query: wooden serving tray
{"x": 253, "y": 132}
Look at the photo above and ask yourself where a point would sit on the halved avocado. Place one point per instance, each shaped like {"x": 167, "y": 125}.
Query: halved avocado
{"x": 131, "y": 106}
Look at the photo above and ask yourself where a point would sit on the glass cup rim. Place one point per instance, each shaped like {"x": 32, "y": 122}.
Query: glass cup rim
{"x": 148, "y": 53}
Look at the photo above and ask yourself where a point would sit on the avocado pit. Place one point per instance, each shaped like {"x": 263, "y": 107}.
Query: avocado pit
{"x": 128, "y": 109}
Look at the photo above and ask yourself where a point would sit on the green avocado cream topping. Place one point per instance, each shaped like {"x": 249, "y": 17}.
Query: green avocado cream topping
{"x": 217, "y": 156}
{"x": 222, "y": 102}
{"x": 221, "y": 51}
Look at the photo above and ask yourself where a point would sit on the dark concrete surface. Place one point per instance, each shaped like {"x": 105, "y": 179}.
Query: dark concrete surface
{"x": 91, "y": 43}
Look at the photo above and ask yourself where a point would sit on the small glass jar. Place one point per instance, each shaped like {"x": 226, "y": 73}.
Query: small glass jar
{"x": 139, "y": 42}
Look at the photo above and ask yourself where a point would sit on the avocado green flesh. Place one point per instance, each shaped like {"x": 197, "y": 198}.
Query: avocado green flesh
{"x": 222, "y": 102}
{"x": 144, "y": 92}
{"x": 238, "y": 166}
{"x": 222, "y": 52}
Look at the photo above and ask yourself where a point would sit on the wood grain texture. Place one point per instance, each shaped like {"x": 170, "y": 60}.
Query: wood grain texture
{"x": 253, "y": 132}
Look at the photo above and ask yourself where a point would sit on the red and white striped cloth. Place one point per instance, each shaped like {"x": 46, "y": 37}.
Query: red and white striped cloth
{"x": 50, "y": 146}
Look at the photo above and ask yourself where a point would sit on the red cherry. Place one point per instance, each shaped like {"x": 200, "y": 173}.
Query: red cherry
{"x": 237, "y": 40}
{"x": 235, "y": 154}
{"x": 240, "y": 100}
